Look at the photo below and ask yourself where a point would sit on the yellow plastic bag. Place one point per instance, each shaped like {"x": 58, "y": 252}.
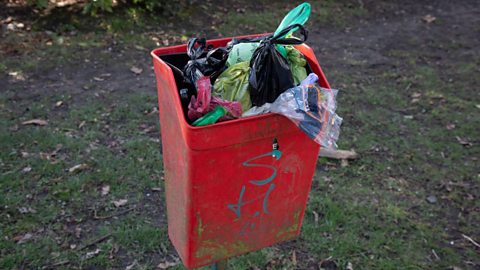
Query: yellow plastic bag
{"x": 232, "y": 85}
{"x": 297, "y": 63}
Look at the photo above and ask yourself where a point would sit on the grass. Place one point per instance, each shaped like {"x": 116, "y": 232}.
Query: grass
{"x": 58, "y": 197}
{"x": 323, "y": 12}
{"x": 372, "y": 213}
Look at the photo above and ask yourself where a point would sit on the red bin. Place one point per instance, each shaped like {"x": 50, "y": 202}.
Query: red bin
{"x": 235, "y": 186}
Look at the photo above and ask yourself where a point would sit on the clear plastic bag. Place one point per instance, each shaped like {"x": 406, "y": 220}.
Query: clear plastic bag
{"x": 312, "y": 109}
{"x": 265, "y": 108}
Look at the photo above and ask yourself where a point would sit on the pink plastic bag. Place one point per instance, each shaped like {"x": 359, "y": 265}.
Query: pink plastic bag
{"x": 204, "y": 103}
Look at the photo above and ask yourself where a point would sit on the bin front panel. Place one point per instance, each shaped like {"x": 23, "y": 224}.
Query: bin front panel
{"x": 229, "y": 189}
{"x": 249, "y": 196}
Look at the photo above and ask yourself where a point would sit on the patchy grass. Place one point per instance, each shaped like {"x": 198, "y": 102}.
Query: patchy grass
{"x": 415, "y": 126}
{"x": 332, "y": 13}
{"x": 42, "y": 198}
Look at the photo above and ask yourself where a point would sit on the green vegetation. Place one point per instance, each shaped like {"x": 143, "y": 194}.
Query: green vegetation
{"x": 415, "y": 126}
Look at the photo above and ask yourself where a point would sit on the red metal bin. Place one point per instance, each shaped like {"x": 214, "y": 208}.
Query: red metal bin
{"x": 230, "y": 188}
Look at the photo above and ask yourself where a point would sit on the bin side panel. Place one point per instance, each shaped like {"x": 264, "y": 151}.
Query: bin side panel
{"x": 175, "y": 161}
{"x": 313, "y": 62}
{"x": 248, "y": 196}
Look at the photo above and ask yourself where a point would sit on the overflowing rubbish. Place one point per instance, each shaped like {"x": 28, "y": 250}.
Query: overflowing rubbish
{"x": 258, "y": 75}
{"x": 270, "y": 73}
{"x": 312, "y": 109}
{"x": 233, "y": 85}
{"x": 205, "y": 103}
{"x": 241, "y": 51}
{"x": 211, "y": 65}
{"x": 310, "y": 79}
{"x": 297, "y": 64}
{"x": 298, "y": 15}
{"x": 211, "y": 117}
{"x": 265, "y": 108}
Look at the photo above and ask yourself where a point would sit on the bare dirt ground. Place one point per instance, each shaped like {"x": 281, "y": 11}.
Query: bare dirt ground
{"x": 408, "y": 75}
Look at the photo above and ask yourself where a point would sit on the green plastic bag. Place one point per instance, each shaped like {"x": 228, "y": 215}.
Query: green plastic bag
{"x": 297, "y": 63}
{"x": 233, "y": 85}
{"x": 244, "y": 51}
{"x": 241, "y": 52}
{"x": 298, "y": 15}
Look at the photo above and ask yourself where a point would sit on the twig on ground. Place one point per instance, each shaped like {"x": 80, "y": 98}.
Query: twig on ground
{"x": 96, "y": 241}
{"x": 435, "y": 254}
{"x": 471, "y": 240}
{"x": 338, "y": 154}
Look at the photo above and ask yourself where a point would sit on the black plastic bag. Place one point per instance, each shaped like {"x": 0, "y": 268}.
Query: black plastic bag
{"x": 270, "y": 73}
{"x": 212, "y": 64}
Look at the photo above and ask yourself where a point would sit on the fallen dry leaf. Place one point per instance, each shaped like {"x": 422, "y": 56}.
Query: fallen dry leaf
{"x": 136, "y": 70}
{"x": 415, "y": 100}
{"x": 166, "y": 265}
{"x": 23, "y": 238}
{"x": 98, "y": 79}
{"x": 17, "y": 75}
{"x": 294, "y": 257}
{"x": 37, "y": 122}
{"x": 51, "y": 156}
{"x": 105, "y": 190}
{"x": 463, "y": 141}
{"x": 147, "y": 129}
{"x": 27, "y": 169}
{"x": 140, "y": 48}
{"x": 120, "y": 203}
{"x": 92, "y": 254}
{"x": 77, "y": 168}
{"x": 429, "y": 18}
{"x": 153, "y": 111}
{"x": 450, "y": 126}
{"x": 81, "y": 124}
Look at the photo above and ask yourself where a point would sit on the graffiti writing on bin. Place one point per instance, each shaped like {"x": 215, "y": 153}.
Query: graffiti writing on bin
{"x": 255, "y": 183}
